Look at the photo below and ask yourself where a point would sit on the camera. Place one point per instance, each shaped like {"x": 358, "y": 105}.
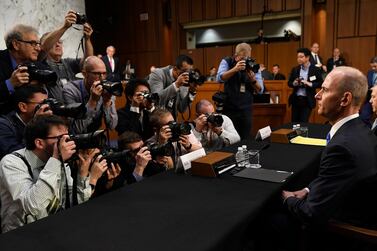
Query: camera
{"x": 195, "y": 77}
{"x": 299, "y": 81}
{"x": 114, "y": 88}
{"x": 151, "y": 97}
{"x": 76, "y": 110}
{"x": 178, "y": 129}
{"x": 91, "y": 140}
{"x": 81, "y": 18}
{"x": 215, "y": 119}
{"x": 166, "y": 149}
{"x": 251, "y": 64}
{"x": 219, "y": 98}
{"x": 36, "y": 72}
{"x": 112, "y": 156}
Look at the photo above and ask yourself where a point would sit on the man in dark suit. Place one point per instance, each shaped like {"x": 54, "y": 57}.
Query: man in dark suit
{"x": 366, "y": 109}
{"x": 316, "y": 59}
{"x": 340, "y": 191}
{"x": 276, "y": 73}
{"x": 304, "y": 79}
{"x": 112, "y": 65}
{"x": 373, "y": 102}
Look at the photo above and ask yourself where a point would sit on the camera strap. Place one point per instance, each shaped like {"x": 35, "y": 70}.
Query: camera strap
{"x": 26, "y": 163}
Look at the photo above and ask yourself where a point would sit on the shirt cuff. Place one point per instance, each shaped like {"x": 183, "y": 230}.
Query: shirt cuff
{"x": 175, "y": 87}
{"x": 137, "y": 177}
{"x": 9, "y": 86}
{"x": 191, "y": 97}
{"x": 307, "y": 189}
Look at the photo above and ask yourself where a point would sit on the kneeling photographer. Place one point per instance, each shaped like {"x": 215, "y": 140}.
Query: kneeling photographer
{"x": 97, "y": 94}
{"x": 241, "y": 77}
{"x": 179, "y": 134}
{"x": 214, "y": 131}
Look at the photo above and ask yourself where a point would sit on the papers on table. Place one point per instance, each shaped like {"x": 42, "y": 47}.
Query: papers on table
{"x": 308, "y": 141}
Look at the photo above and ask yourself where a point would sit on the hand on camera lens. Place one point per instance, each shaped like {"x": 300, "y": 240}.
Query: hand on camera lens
{"x": 182, "y": 79}
{"x": 200, "y": 123}
{"x": 98, "y": 168}
{"x": 143, "y": 157}
{"x": 96, "y": 91}
{"x": 184, "y": 141}
{"x": 43, "y": 110}
{"x": 165, "y": 134}
{"x": 19, "y": 77}
{"x": 70, "y": 19}
{"x": 66, "y": 147}
{"x": 113, "y": 171}
{"x": 87, "y": 30}
{"x": 85, "y": 158}
{"x": 240, "y": 66}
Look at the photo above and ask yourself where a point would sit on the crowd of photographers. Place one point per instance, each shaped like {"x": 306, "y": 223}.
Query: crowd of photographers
{"x": 54, "y": 152}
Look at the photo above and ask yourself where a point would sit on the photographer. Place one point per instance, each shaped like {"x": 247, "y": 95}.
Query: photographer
{"x": 52, "y": 46}
{"x": 214, "y": 131}
{"x": 304, "y": 79}
{"x": 90, "y": 91}
{"x": 34, "y": 181}
{"x": 172, "y": 85}
{"x": 167, "y": 130}
{"x": 241, "y": 79}
{"x": 140, "y": 104}
{"x": 12, "y": 125}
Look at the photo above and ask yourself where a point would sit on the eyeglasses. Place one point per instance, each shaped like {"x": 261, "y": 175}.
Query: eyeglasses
{"x": 55, "y": 137}
{"x": 98, "y": 74}
{"x": 33, "y": 43}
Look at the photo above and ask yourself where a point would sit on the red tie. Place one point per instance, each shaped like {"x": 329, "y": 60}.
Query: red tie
{"x": 111, "y": 63}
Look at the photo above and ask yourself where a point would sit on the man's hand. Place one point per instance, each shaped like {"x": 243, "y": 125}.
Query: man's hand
{"x": 182, "y": 79}
{"x": 240, "y": 66}
{"x": 98, "y": 168}
{"x": 286, "y": 194}
{"x": 106, "y": 97}
{"x": 95, "y": 91}
{"x": 112, "y": 173}
{"x": 185, "y": 142}
{"x": 85, "y": 158}
{"x": 19, "y": 77}
{"x": 69, "y": 19}
{"x": 216, "y": 129}
{"x": 67, "y": 148}
{"x": 201, "y": 123}
{"x": 142, "y": 158}
{"x": 87, "y": 31}
{"x": 43, "y": 110}
{"x": 165, "y": 134}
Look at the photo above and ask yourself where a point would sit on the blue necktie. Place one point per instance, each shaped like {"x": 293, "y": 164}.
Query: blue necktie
{"x": 328, "y": 138}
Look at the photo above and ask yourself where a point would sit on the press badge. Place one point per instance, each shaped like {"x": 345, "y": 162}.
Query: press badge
{"x": 242, "y": 88}
{"x": 170, "y": 103}
{"x": 312, "y": 78}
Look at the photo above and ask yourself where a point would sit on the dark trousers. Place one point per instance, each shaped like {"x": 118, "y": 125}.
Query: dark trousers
{"x": 300, "y": 109}
{"x": 242, "y": 121}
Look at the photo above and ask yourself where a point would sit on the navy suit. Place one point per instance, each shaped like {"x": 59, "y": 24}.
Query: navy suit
{"x": 347, "y": 162}
{"x": 366, "y": 110}
{"x": 301, "y": 107}
{"x": 6, "y": 70}
{"x": 11, "y": 134}
{"x": 113, "y": 76}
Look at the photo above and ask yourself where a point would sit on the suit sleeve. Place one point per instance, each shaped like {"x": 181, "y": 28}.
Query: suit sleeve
{"x": 337, "y": 171}
{"x": 292, "y": 77}
{"x": 156, "y": 82}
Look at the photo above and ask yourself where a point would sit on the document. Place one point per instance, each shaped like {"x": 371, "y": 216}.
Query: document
{"x": 308, "y": 141}
{"x": 264, "y": 174}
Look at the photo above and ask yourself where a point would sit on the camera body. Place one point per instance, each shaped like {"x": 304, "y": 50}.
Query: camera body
{"x": 219, "y": 98}
{"x": 196, "y": 77}
{"x": 76, "y": 110}
{"x": 45, "y": 76}
{"x": 81, "y": 18}
{"x": 251, "y": 64}
{"x": 95, "y": 139}
{"x": 299, "y": 82}
{"x": 215, "y": 119}
{"x": 112, "y": 156}
{"x": 151, "y": 97}
{"x": 178, "y": 129}
{"x": 166, "y": 149}
{"x": 114, "y": 88}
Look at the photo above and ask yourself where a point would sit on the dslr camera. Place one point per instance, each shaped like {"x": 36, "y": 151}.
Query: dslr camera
{"x": 81, "y": 18}
{"x": 151, "y": 97}
{"x": 91, "y": 140}
{"x": 178, "y": 129}
{"x": 299, "y": 81}
{"x": 112, "y": 156}
{"x": 195, "y": 77}
{"x": 115, "y": 88}
{"x": 166, "y": 149}
{"x": 219, "y": 98}
{"x": 251, "y": 64}
{"x": 44, "y": 76}
{"x": 215, "y": 119}
{"x": 76, "y": 110}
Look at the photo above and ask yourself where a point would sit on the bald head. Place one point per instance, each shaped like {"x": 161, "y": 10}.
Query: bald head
{"x": 204, "y": 106}
{"x": 92, "y": 62}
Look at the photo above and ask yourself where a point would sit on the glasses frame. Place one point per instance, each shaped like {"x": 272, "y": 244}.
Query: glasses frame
{"x": 33, "y": 43}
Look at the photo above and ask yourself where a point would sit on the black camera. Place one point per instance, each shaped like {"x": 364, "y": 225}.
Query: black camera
{"x": 41, "y": 74}
{"x": 91, "y": 140}
{"x": 219, "y": 98}
{"x": 215, "y": 119}
{"x": 151, "y": 97}
{"x": 112, "y": 156}
{"x": 178, "y": 129}
{"x": 299, "y": 81}
{"x": 81, "y": 18}
{"x": 195, "y": 77}
{"x": 166, "y": 149}
{"x": 251, "y": 64}
{"x": 76, "y": 110}
{"x": 115, "y": 88}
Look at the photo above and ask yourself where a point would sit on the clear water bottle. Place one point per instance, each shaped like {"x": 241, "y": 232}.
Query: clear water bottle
{"x": 239, "y": 157}
{"x": 245, "y": 156}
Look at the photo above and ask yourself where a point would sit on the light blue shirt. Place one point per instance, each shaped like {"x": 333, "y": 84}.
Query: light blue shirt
{"x": 224, "y": 67}
{"x": 304, "y": 72}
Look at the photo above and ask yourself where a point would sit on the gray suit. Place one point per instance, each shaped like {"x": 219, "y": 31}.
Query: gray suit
{"x": 161, "y": 82}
